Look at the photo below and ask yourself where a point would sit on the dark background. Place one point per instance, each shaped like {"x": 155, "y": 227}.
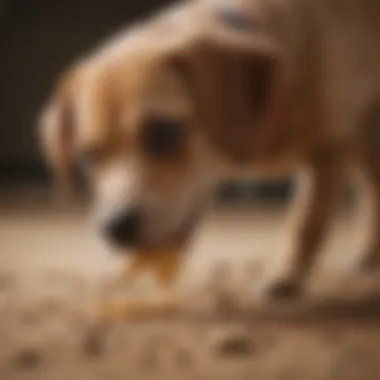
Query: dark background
{"x": 38, "y": 39}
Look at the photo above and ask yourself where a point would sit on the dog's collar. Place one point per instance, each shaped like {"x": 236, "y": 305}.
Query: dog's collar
{"x": 273, "y": 129}
{"x": 236, "y": 19}
{"x": 235, "y": 16}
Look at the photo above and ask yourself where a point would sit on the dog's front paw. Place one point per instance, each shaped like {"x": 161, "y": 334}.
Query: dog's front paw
{"x": 366, "y": 264}
{"x": 281, "y": 289}
{"x": 284, "y": 289}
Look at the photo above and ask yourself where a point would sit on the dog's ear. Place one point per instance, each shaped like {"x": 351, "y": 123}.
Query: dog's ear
{"x": 57, "y": 129}
{"x": 230, "y": 78}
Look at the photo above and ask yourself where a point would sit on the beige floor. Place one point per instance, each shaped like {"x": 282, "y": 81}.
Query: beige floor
{"x": 52, "y": 269}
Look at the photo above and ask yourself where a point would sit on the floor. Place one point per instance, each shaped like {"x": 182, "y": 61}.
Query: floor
{"x": 53, "y": 270}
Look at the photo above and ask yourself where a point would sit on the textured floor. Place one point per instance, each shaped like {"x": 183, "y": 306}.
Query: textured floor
{"x": 52, "y": 270}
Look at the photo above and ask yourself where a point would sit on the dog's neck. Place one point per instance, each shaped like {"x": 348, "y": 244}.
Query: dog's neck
{"x": 236, "y": 16}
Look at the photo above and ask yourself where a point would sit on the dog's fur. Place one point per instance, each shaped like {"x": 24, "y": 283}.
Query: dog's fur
{"x": 292, "y": 84}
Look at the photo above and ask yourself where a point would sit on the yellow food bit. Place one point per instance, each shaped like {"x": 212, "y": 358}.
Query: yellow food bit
{"x": 164, "y": 265}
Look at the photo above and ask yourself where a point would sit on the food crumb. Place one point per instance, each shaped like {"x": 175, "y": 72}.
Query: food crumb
{"x": 28, "y": 358}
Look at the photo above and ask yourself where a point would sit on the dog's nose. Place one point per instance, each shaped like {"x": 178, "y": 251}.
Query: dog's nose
{"x": 126, "y": 228}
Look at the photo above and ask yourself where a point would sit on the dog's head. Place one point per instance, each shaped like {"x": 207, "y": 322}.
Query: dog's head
{"x": 149, "y": 124}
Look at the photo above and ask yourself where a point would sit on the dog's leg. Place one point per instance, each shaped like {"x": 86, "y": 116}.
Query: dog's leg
{"x": 314, "y": 203}
{"x": 369, "y": 204}
{"x": 369, "y": 165}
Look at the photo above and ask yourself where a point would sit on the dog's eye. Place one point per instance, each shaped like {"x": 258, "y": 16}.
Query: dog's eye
{"x": 89, "y": 158}
{"x": 164, "y": 137}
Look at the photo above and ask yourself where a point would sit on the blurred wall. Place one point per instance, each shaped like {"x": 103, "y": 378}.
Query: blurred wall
{"x": 38, "y": 38}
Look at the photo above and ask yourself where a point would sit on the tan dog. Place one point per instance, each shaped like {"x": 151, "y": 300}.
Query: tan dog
{"x": 159, "y": 113}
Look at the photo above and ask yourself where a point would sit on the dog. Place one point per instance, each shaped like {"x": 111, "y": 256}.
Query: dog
{"x": 206, "y": 89}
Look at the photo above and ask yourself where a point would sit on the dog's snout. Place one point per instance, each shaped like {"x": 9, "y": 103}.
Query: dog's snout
{"x": 126, "y": 228}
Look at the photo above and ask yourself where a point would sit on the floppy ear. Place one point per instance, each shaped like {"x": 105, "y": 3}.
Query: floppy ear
{"x": 231, "y": 79}
{"x": 57, "y": 132}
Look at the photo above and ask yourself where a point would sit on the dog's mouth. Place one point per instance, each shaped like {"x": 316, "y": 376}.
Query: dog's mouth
{"x": 179, "y": 236}
{"x": 125, "y": 241}
{"x": 185, "y": 230}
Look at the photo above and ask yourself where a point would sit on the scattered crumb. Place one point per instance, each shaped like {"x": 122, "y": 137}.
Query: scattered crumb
{"x": 234, "y": 345}
{"x": 31, "y": 317}
{"x": 93, "y": 343}
{"x": 28, "y": 358}
{"x": 225, "y": 304}
{"x": 184, "y": 358}
{"x": 150, "y": 359}
{"x": 6, "y": 281}
{"x": 333, "y": 335}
